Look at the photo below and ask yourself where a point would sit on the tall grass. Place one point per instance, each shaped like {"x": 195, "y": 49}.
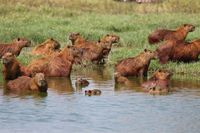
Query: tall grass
{"x": 41, "y": 19}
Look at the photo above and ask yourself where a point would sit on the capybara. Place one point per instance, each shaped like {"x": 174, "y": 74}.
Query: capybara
{"x": 93, "y": 92}
{"x": 158, "y": 83}
{"x": 80, "y": 82}
{"x": 164, "y": 34}
{"x": 136, "y": 66}
{"x": 121, "y": 79}
{"x": 186, "y": 51}
{"x": 24, "y": 83}
{"x": 14, "y": 47}
{"x": 59, "y": 65}
{"x": 46, "y": 48}
{"x": 12, "y": 68}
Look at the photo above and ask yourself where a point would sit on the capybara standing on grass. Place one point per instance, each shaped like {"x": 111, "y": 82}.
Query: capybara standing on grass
{"x": 25, "y": 83}
{"x": 186, "y": 51}
{"x": 164, "y": 34}
{"x": 14, "y": 47}
{"x": 11, "y": 67}
{"x": 135, "y": 66}
{"x": 46, "y": 48}
{"x": 158, "y": 83}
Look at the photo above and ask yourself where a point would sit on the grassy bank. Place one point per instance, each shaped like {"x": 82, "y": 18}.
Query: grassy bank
{"x": 39, "y": 20}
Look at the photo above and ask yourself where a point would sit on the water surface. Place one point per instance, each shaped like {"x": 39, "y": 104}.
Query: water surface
{"x": 120, "y": 109}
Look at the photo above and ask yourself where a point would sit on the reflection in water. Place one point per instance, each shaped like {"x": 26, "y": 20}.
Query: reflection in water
{"x": 60, "y": 85}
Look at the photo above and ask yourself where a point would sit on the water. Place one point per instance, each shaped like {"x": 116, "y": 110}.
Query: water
{"x": 120, "y": 109}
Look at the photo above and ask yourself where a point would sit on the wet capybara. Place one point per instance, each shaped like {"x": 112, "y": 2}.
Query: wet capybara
{"x": 92, "y": 92}
{"x": 11, "y": 67}
{"x": 24, "y": 83}
{"x": 14, "y": 47}
{"x": 164, "y": 34}
{"x": 185, "y": 51}
{"x": 46, "y": 48}
{"x": 136, "y": 66}
{"x": 158, "y": 83}
{"x": 59, "y": 65}
{"x": 121, "y": 79}
{"x": 80, "y": 82}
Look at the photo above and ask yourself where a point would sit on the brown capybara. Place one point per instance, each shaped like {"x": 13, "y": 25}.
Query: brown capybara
{"x": 164, "y": 34}
{"x": 14, "y": 47}
{"x": 185, "y": 51}
{"x": 135, "y": 66}
{"x": 25, "y": 83}
{"x": 59, "y": 65}
{"x": 158, "y": 83}
{"x": 121, "y": 79}
{"x": 46, "y": 48}
{"x": 12, "y": 68}
{"x": 80, "y": 82}
{"x": 93, "y": 92}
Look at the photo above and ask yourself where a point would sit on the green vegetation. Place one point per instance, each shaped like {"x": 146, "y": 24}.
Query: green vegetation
{"x": 41, "y": 19}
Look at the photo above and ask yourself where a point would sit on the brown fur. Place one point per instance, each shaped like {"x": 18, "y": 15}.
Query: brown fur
{"x": 135, "y": 66}
{"x": 14, "y": 47}
{"x": 80, "y": 82}
{"x": 163, "y": 34}
{"x": 59, "y": 65}
{"x": 158, "y": 83}
{"x": 23, "y": 83}
{"x": 93, "y": 92}
{"x": 12, "y": 68}
{"x": 46, "y": 48}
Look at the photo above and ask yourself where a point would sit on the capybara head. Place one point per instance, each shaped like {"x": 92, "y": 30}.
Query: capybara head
{"x": 161, "y": 75}
{"x": 22, "y": 42}
{"x": 8, "y": 58}
{"x": 150, "y": 54}
{"x": 110, "y": 38}
{"x": 92, "y": 92}
{"x": 158, "y": 91}
{"x": 189, "y": 27}
{"x": 41, "y": 82}
{"x": 74, "y": 36}
{"x": 52, "y": 43}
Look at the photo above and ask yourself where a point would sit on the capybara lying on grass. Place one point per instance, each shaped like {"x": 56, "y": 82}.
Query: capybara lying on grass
{"x": 12, "y": 68}
{"x": 135, "y": 66}
{"x": 25, "y": 83}
{"x": 59, "y": 65}
{"x": 164, "y": 34}
{"x": 158, "y": 83}
{"x": 46, "y": 48}
{"x": 14, "y": 47}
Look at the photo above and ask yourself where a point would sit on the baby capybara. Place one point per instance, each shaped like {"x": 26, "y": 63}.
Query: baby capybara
{"x": 158, "y": 83}
{"x": 25, "y": 83}
{"x": 164, "y": 34}
{"x": 135, "y": 66}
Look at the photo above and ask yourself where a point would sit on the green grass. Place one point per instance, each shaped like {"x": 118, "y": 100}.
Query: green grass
{"x": 38, "y": 20}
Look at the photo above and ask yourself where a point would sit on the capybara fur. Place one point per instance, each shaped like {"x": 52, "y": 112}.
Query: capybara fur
{"x": 14, "y": 47}
{"x": 135, "y": 66}
{"x": 46, "y": 48}
{"x": 158, "y": 83}
{"x": 93, "y": 92}
{"x": 164, "y": 34}
{"x": 59, "y": 65}
{"x": 25, "y": 83}
{"x": 121, "y": 79}
{"x": 12, "y": 68}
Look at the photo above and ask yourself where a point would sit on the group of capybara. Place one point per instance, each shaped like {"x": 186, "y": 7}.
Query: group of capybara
{"x": 57, "y": 62}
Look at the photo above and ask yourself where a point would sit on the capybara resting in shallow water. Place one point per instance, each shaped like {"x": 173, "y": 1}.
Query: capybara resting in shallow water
{"x": 158, "y": 83}
{"x": 24, "y": 83}
{"x": 12, "y": 68}
{"x": 59, "y": 65}
{"x": 135, "y": 66}
{"x": 164, "y": 34}
{"x": 46, "y": 48}
{"x": 14, "y": 47}
{"x": 93, "y": 92}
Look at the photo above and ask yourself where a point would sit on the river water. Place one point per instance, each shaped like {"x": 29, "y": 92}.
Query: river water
{"x": 119, "y": 109}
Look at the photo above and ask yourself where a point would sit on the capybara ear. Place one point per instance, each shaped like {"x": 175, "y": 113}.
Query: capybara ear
{"x": 108, "y": 35}
{"x": 51, "y": 39}
{"x": 77, "y": 33}
{"x": 185, "y": 25}
{"x": 18, "y": 39}
{"x": 145, "y": 50}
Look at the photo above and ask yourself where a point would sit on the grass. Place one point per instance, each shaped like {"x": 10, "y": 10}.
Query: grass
{"x": 38, "y": 20}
